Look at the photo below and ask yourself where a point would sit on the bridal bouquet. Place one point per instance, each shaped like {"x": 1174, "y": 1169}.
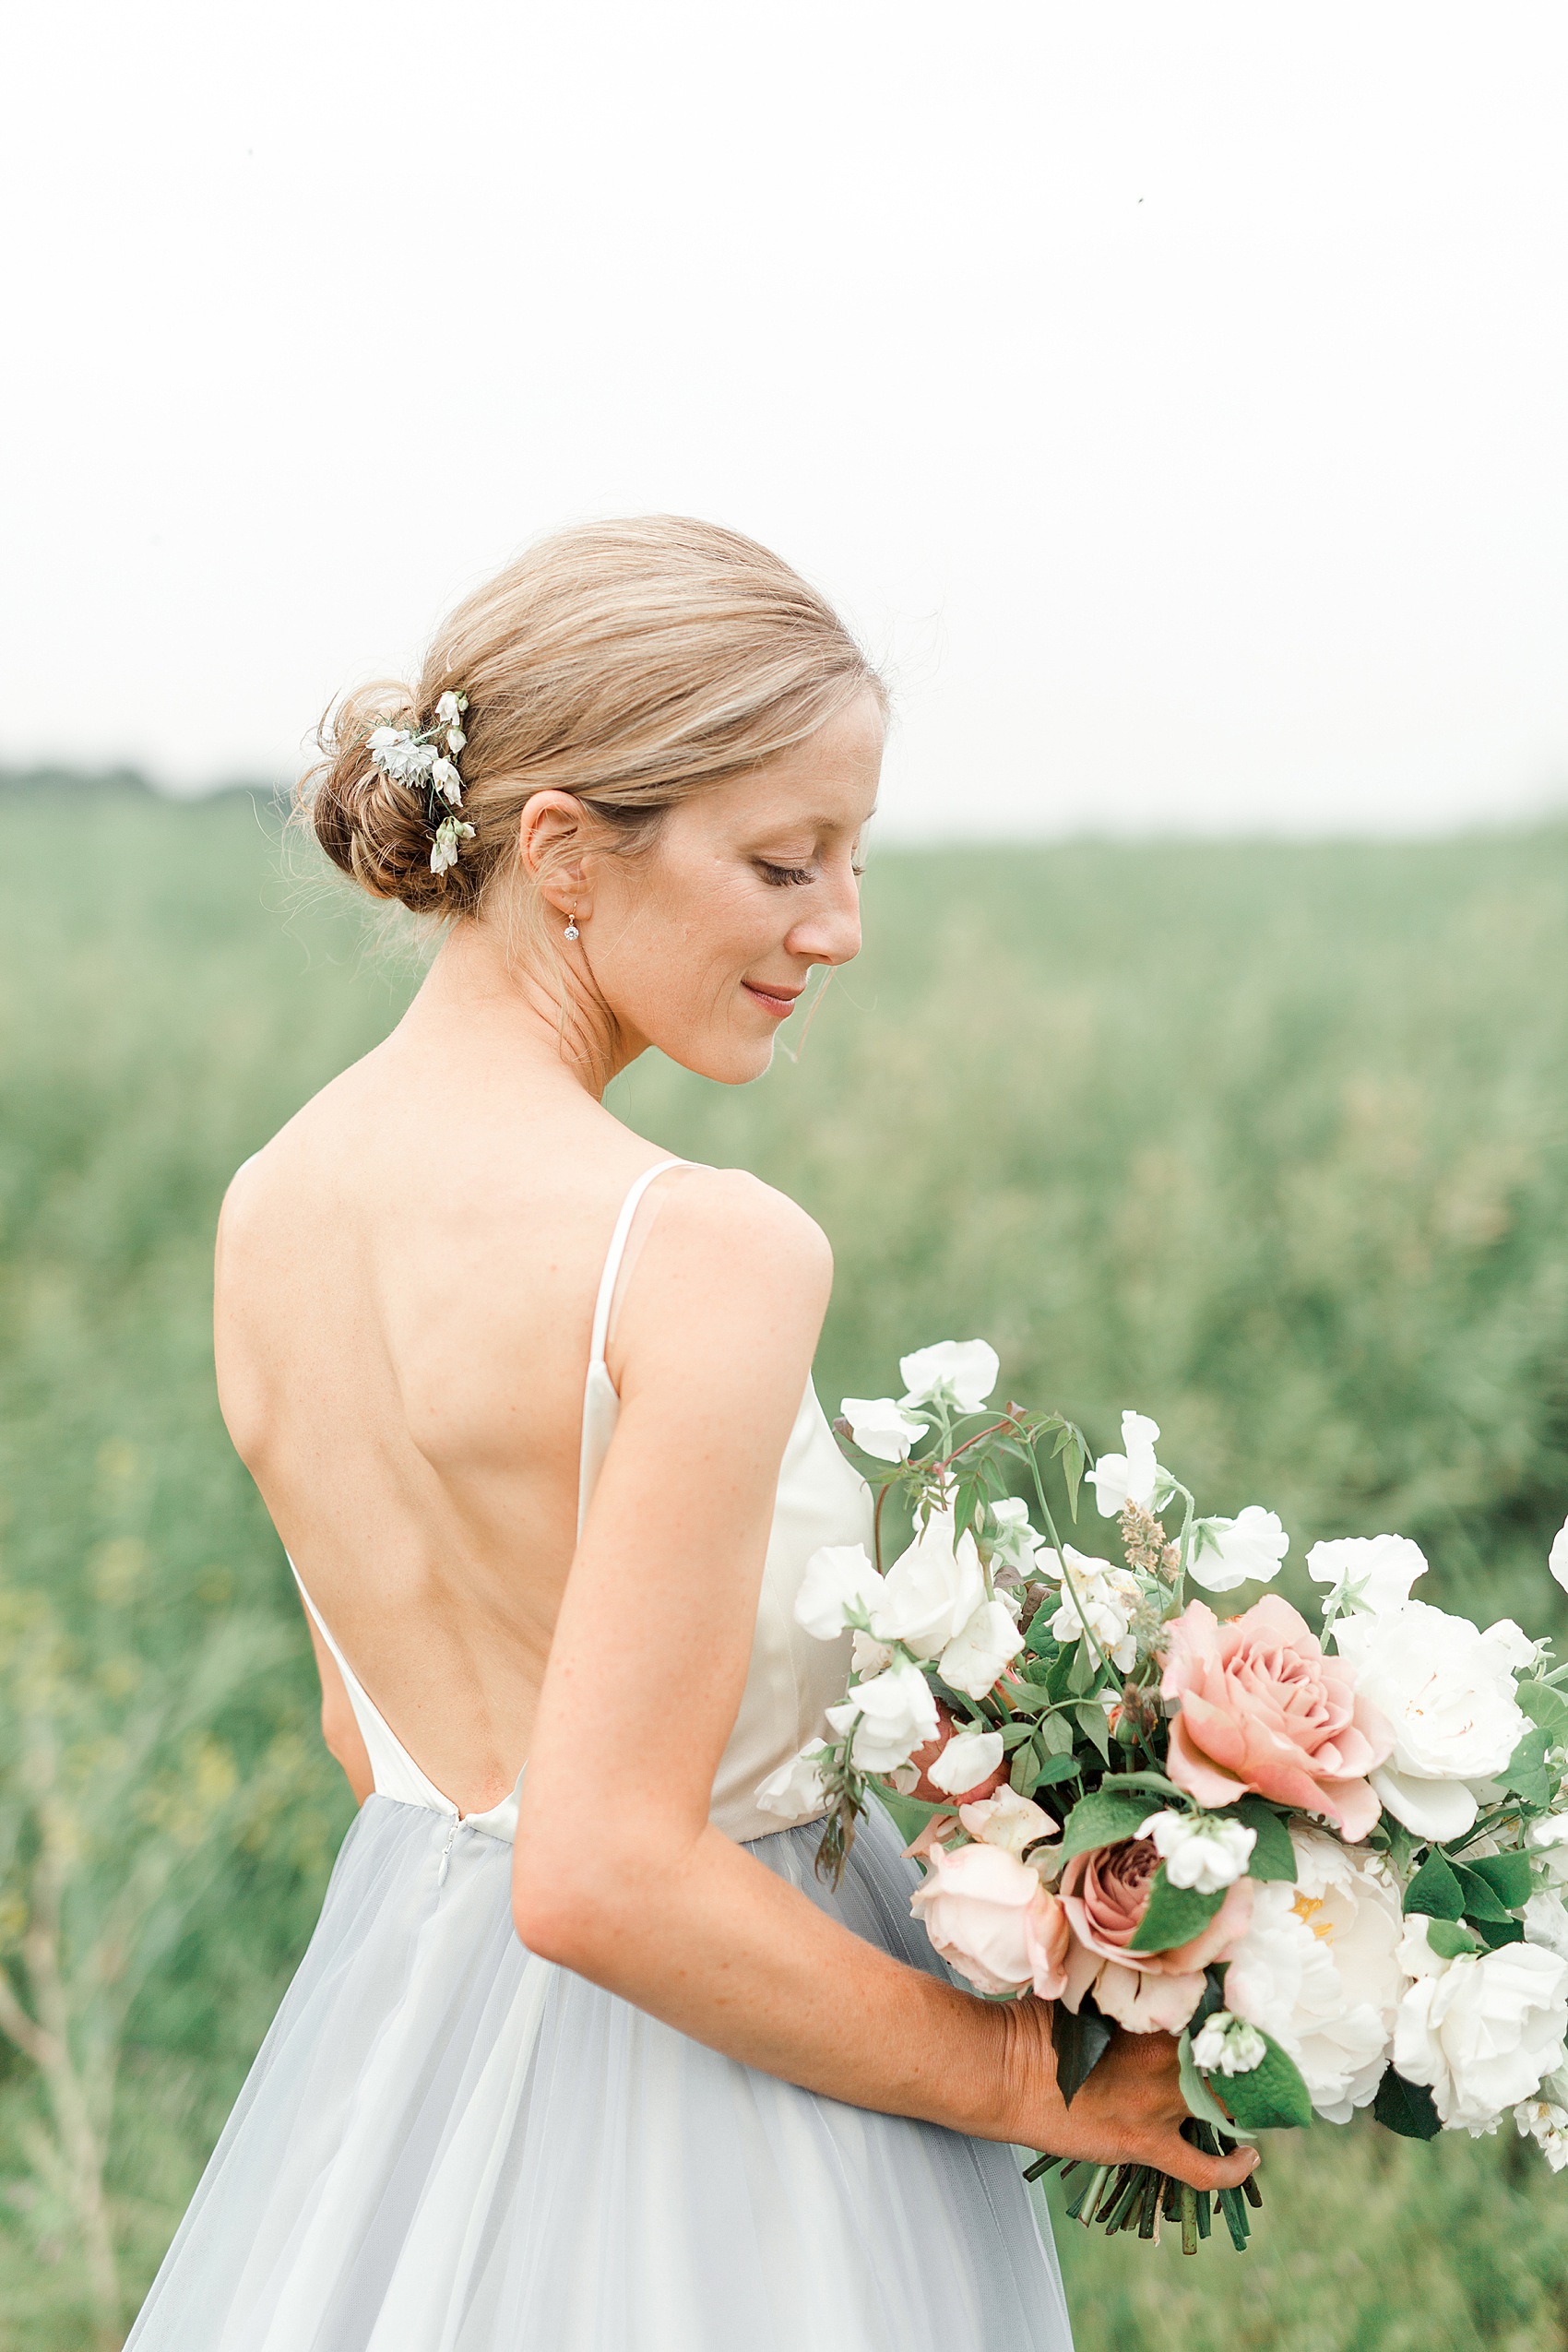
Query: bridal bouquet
{"x": 1331, "y": 1864}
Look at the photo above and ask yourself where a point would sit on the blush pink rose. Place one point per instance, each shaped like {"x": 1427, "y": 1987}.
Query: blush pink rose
{"x": 1262, "y": 1708}
{"x": 1105, "y": 1894}
{"x": 923, "y": 1758}
{"x": 989, "y": 1915}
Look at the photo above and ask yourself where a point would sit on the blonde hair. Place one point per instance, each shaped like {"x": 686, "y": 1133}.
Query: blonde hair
{"x": 626, "y": 663}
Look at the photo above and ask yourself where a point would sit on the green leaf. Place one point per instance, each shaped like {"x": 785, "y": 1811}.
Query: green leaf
{"x": 1096, "y": 1728}
{"x": 1495, "y": 1934}
{"x": 1038, "y": 1633}
{"x": 1527, "y": 1773}
{"x": 1200, "y": 2100}
{"x": 1435, "y": 1890}
{"x": 1155, "y": 1781}
{"x": 908, "y": 1814}
{"x": 1056, "y": 1769}
{"x": 1273, "y": 2097}
{"x": 1175, "y": 1914}
{"x": 1449, "y": 1938}
{"x": 1481, "y": 1900}
{"x": 1013, "y": 1735}
{"x": 1104, "y": 1819}
{"x": 1508, "y": 1875}
{"x": 1025, "y": 1770}
{"x": 1273, "y": 1854}
{"x": 1546, "y": 1707}
{"x": 1056, "y": 1736}
{"x": 1085, "y": 1666}
{"x": 1405, "y": 2108}
{"x": 1080, "y": 2042}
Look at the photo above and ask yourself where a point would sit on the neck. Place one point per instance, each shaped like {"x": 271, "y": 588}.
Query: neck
{"x": 493, "y": 993}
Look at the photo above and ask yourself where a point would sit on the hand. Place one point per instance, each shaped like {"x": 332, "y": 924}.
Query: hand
{"x": 1130, "y": 2109}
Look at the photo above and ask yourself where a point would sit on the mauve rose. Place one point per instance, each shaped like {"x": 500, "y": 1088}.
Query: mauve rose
{"x": 923, "y": 1758}
{"x": 1105, "y": 1894}
{"x": 1262, "y": 1708}
{"x": 989, "y": 1917}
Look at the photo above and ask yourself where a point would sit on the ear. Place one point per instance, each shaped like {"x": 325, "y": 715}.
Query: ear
{"x": 552, "y": 841}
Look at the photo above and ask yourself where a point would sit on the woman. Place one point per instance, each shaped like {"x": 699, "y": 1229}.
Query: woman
{"x": 586, "y": 2058}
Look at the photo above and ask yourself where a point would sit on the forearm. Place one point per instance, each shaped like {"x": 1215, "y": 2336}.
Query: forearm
{"x": 706, "y": 1938}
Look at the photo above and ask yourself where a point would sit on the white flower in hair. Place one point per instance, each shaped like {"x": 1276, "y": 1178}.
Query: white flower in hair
{"x": 448, "y": 782}
{"x": 443, "y": 853}
{"x": 401, "y": 756}
{"x": 449, "y": 712}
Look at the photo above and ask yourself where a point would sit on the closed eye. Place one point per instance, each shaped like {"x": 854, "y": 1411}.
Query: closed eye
{"x": 781, "y": 877}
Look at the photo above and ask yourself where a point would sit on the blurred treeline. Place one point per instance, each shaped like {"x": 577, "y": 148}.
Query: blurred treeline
{"x": 1269, "y": 1141}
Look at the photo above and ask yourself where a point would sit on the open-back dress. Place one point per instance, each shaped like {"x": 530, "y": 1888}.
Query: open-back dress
{"x": 447, "y": 2144}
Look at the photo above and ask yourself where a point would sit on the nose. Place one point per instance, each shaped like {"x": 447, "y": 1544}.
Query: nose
{"x": 830, "y": 932}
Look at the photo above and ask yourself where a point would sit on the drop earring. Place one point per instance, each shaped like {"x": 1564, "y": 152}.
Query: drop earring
{"x": 571, "y": 930}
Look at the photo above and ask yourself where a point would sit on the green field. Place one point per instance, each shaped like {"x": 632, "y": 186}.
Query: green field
{"x": 1270, "y": 1142}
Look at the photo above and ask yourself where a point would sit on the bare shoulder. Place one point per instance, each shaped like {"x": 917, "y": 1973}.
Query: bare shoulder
{"x": 730, "y": 1213}
{"x": 729, "y": 1261}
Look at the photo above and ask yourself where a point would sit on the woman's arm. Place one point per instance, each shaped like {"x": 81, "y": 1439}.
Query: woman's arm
{"x": 619, "y": 1874}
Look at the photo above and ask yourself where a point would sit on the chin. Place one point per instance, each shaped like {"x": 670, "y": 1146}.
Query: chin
{"x": 729, "y": 1062}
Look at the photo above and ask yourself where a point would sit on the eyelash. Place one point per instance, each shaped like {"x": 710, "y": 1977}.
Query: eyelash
{"x": 783, "y": 878}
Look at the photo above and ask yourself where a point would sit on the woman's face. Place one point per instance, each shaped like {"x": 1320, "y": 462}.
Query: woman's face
{"x": 702, "y": 945}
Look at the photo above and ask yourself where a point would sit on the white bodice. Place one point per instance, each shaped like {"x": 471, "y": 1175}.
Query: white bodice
{"x": 791, "y": 1679}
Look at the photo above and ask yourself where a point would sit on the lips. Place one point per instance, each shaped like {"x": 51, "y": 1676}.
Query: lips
{"x": 779, "y": 1002}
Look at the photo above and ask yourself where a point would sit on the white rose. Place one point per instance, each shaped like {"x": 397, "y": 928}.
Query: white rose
{"x": 1318, "y": 1968}
{"x": 1447, "y": 1692}
{"x": 975, "y": 1658}
{"x": 1546, "y": 2124}
{"x": 932, "y": 1590}
{"x": 1557, "y": 1561}
{"x": 1131, "y": 1475}
{"x": 795, "y": 1791}
{"x": 838, "y": 1580}
{"x": 1238, "y": 1551}
{"x": 969, "y": 1758}
{"x": 960, "y": 1372}
{"x": 1367, "y": 1571}
{"x": 1199, "y": 1850}
{"x": 1480, "y": 2030}
{"x": 879, "y": 1426}
{"x": 1226, "y": 2045}
{"x": 1548, "y": 1838}
{"x": 897, "y": 1714}
{"x": 1007, "y": 1819}
{"x": 1546, "y": 1922}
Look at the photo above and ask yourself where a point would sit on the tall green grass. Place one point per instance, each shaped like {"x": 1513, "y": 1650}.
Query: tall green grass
{"x": 1269, "y": 1141}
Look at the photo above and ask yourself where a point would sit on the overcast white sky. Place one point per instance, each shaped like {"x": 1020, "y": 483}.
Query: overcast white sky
{"x": 1174, "y": 391}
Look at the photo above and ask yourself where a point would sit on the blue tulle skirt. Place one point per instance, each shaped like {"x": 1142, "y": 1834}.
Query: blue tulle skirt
{"x": 446, "y": 2145}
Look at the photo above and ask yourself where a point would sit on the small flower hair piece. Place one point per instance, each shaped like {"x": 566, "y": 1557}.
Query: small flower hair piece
{"x": 426, "y": 760}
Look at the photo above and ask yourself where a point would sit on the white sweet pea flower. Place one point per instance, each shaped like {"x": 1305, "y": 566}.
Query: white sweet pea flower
{"x": 448, "y": 782}
{"x": 1480, "y": 2030}
{"x": 1096, "y": 1598}
{"x": 1448, "y": 1692}
{"x": 1226, "y": 2045}
{"x": 932, "y": 1590}
{"x": 839, "y": 1580}
{"x": 958, "y": 1372}
{"x": 879, "y": 1426}
{"x": 1237, "y": 1551}
{"x": 1318, "y": 1968}
{"x": 1366, "y": 1572}
{"x": 796, "y": 1791}
{"x": 897, "y": 1714}
{"x": 1546, "y": 2124}
{"x": 973, "y": 1661}
{"x": 969, "y": 1758}
{"x": 444, "y": 850}
{"x": 1199, "y": 1850}
{"x": 1546, "y": 1922}
{"x": 1007, "y": 1819}
{"x": 1131, "y": 1475}
{"x": 450, "y": 708}
{"x": 867, "y": 1657}
{"x": 1014, "y": 1542}
{"x": 1557, "y": 1562}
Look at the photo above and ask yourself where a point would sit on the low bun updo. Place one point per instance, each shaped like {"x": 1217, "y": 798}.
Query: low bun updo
{"x": 627, "y": 663}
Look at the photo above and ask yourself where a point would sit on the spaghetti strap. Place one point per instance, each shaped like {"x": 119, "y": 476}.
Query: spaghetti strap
{"x": 616, "y": 1252}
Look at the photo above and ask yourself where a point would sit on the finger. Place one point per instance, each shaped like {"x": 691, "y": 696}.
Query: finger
{"x": 1180, "y": 2158}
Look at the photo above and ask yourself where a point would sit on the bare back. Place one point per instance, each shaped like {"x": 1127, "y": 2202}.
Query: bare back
{"x": 406, "y": 1280}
